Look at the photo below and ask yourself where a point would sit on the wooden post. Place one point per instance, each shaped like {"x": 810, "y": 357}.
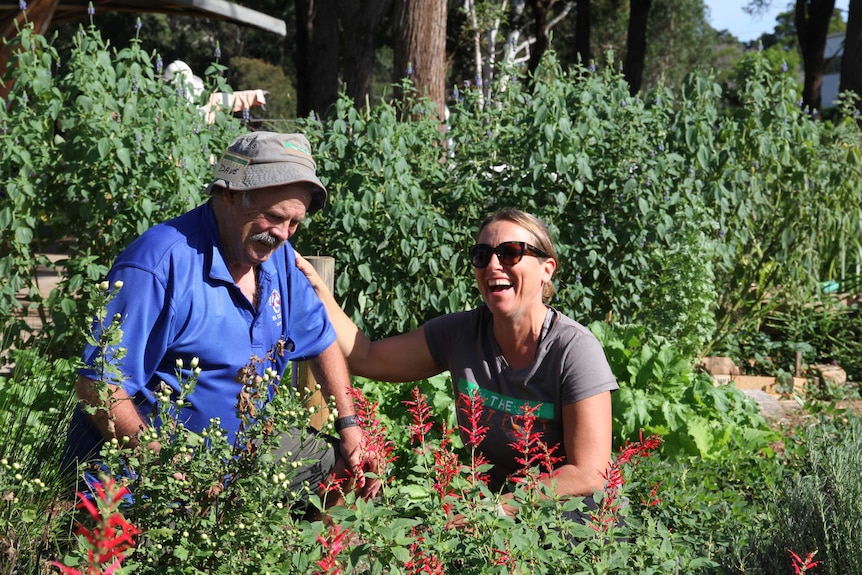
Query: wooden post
{"x": 302, "y": 376}
{"x": 797, "y": 370}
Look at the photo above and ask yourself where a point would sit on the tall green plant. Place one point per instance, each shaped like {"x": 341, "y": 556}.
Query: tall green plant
{"x": 784, "y": 189}
{"x": 96, "y": 150}
{"x": 400, "y": 259}
{"x": 818, "y": 509}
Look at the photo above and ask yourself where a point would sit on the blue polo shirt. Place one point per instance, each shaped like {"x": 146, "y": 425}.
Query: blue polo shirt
{"x": 178, "y": 301}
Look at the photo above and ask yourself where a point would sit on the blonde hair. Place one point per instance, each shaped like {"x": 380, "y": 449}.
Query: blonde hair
{"x": 537, "y": 229}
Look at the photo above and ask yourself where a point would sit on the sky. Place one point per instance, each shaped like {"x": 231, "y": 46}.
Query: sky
{"x": 728, "y": 15}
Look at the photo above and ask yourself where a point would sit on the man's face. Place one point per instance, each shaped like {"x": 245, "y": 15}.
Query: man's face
{"x": 257, "y": 228}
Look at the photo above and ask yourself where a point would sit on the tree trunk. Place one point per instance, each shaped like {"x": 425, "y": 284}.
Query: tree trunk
{"x": 316, "y": 56}
{"x": 812, "y": 25}
{"x": 541, "y": 8}
{"x": 633, "y": 67}
{"x": 420, "y": 48}
{"x": 851, "y": 60}
{"x": 360, "y": 21}
{"x": 582, "y": 31}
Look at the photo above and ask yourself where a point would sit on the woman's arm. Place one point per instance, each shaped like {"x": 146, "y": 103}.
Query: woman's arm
{"x": 587, "y": 442}
{"x": 398, "y": 358}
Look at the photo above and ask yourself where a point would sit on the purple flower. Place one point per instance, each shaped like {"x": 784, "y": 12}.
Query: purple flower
{"x": 22, "y": 5}
{"x": 784, "y": 66}
{"x": 90, "y": 10}
{"x": 217, "y": 51}
{"x": 159, "y": 64}
{"x": 410, "y": 70}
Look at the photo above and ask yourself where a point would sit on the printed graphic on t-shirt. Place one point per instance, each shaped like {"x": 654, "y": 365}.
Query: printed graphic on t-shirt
{"x": 510, "y": 405}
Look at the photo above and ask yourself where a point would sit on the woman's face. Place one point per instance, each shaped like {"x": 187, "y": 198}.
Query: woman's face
{"x": 510, "y": 290}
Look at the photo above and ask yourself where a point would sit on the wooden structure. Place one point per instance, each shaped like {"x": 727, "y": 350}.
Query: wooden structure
{"x": 302, "y": 376}
{"x": 43, "y": 13}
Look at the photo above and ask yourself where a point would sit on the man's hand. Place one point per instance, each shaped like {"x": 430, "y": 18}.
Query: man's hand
{"x": 361, "y": 458}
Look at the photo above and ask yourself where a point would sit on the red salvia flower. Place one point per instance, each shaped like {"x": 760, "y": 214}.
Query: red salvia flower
{"x": 446, "y": 467}
{"x": 376, "y": 442}
{"x": 504, "y": 558}
{"x": 420, "y": 411}
{"x": 803, "y": 565}
{"x": 422, "y": 562}
{"x": 472, "y": 405}
{"x": 533, "y": 451}
{"x": 332, "y": 544}
{"x": 606, "y": 514}
{"x": 112, "y": 535}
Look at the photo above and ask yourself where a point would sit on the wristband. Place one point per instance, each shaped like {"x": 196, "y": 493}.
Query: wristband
{"x": 345, "y": 422}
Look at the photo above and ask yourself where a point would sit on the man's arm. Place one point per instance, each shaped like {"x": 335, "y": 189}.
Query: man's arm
{"x": 330, "y": 371}
{"x": 116, "y": 416}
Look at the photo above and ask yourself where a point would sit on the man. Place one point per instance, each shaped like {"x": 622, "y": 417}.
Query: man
{"x": 220, "y": 284}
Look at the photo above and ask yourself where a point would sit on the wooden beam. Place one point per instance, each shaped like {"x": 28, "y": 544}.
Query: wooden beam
{"x": 214, "y": 9}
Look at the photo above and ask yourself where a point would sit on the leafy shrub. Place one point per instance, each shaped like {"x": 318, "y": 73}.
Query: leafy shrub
{"x": 661, "y": 393}
{"x": 662, "y": 207}
{"x": 96, "y": 149}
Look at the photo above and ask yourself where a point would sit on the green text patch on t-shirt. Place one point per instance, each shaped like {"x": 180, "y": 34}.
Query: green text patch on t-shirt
{"x": 505, "y": 403}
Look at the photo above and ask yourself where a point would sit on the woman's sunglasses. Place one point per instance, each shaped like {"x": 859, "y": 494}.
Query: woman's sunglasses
{"x": 509, "y": 253}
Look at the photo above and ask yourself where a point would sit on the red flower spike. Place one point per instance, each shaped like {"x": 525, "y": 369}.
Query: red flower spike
{"x": 420, "y": 562}
{"x": 376, "y": 443}
{"x": 106, "y": 543}
{"x": 803, "y": 565}
{"x": 472, "y": 406}
{"x": 534, "y": 452}
{"x": 420, "y": 411}
{"x": 332, "y": 545}
{"x": 605, "y": 517}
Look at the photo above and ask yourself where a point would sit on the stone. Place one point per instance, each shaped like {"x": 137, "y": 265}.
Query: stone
{"x": 719, "y": 366}
{"x": 829, "y": 374}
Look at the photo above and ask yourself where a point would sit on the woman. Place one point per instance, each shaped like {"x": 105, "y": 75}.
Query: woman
{"x": 515, "y": 349}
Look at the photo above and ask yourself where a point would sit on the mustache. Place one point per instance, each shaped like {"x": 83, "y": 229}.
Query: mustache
{"x": 266, "y": 238}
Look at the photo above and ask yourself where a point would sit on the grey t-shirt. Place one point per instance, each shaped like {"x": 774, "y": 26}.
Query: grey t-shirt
{"x": 570, "y": 366}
